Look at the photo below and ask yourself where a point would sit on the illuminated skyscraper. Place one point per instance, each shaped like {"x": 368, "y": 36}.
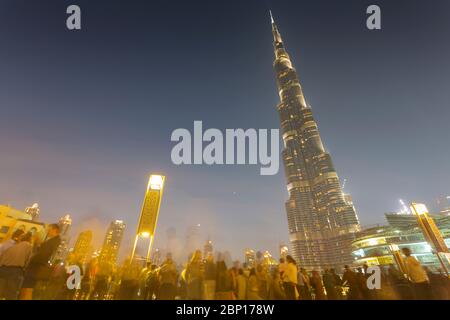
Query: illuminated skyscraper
{"x": 64, "y": 226}
{"x": 83, "y": 246}
{"x": 208, "y": 248}
{"x": 250, "y": 257}
{"x": 111, "y": 244}
{"x": 321, "y": 222}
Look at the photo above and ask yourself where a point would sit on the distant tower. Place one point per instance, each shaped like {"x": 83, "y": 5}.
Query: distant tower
{"x": 83, "y": 246}
{"x": 192, "y": 239}
{"x": 64, "y": 226}
{"x": 321, "y": 222}
{"x": 111, "y": 244}
{"x": 208, "y": 248}
{"x": 33, "y": 211}
{"x": 250, "y": 258}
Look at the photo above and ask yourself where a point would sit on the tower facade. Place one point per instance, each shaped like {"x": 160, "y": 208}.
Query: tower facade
{"x": 111, "y": 244}
{"x": 83, "y": 246}
{"x": 64, "y": 226}
{"x": 321, "y": 222}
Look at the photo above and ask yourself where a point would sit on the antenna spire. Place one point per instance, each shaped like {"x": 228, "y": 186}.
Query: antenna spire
{"x": 271, "y": 17}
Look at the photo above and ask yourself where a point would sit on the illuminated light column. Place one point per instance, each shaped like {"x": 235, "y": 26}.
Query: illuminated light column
{"x": 395, "y": 250}
{"x": 430, "y": 231}
{"x": 149, "y": 213}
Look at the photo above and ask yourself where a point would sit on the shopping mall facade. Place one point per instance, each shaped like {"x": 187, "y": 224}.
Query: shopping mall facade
{"x": 376, "y": 245}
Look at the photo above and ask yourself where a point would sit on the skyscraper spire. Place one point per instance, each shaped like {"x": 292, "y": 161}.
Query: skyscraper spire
{"x": 276, "y": 34}
{"x": 321, "y": 223}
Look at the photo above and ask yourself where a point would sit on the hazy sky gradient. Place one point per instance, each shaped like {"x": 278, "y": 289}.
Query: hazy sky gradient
{"x": 87, "y": 115}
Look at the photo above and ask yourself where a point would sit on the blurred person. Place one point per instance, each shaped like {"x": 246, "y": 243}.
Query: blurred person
{"x": 129, "y": 283}
{"x": 167, "y": 280}
{"x": 152, "y": 283}
{"x": 13, "y": 260}
{"x": 330, "y": 285}
{"x": 224, "y": 282}
{"x": 38, "y": 268}
{"x": 101, "y": 271}
{"x": 351, "y": 280}
{"x": 209, "y": 282}
{"x": 241, "y": 285}
{"x": 400, "y": 285}
{"x": 15, "y": 238}
{"x": 290, "y": 279}
{"x": 316, "y": 285}
{"x": 276, "y": 289}
{"x": 194, "y": 277}
{"x": 438, "y": 284}
{"x": 337, "y": 283}
{"x": 143, "y": 275}
{"x": 252, "y": 286}
{"x": 304, "y": 285}
{"x": 362, "y": 281}
{"x": 417, "y": 276}
{"x": 262, "y": 276}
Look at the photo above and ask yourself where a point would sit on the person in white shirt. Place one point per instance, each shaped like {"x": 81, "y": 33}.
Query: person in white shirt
{"x": 417, "y": 275}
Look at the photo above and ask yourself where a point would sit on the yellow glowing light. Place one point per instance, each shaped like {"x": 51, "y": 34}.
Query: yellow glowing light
{"x": 145, "y": 234}
{"x": 156, "y": 182}
{"x": 419, "y": 208}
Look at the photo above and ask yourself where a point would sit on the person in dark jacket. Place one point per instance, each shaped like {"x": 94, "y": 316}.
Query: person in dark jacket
{"x": 351, "y": 279}
{"x": 38, "y": 266}
{"x": 330, "y": 285}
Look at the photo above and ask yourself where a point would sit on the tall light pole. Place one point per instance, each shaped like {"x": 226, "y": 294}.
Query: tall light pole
{"x": 430, "y": 231}
{"x": 149, "y": 213}
{"x": 395, "y": 250}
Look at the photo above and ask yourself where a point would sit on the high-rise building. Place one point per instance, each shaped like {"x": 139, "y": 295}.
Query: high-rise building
{"x": 64, "y": 226}
{"x": 208, "y": 248}
{"x": 321, "y": 222}
{"x": 33, "y": 211}
{"x": 192, "y": 239}
{"x": 83, "y": 247}
{"x": 250, "y": 257}
{"x": 111, "y": 244}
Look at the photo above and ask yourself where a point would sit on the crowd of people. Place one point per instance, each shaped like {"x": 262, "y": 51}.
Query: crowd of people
{"x": 25, "y": 273}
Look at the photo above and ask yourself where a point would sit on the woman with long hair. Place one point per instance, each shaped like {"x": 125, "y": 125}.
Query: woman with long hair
{"x": 290, "y": 279}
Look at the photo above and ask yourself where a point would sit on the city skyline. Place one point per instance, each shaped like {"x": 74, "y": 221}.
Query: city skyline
{"x": 88, "y": 152}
